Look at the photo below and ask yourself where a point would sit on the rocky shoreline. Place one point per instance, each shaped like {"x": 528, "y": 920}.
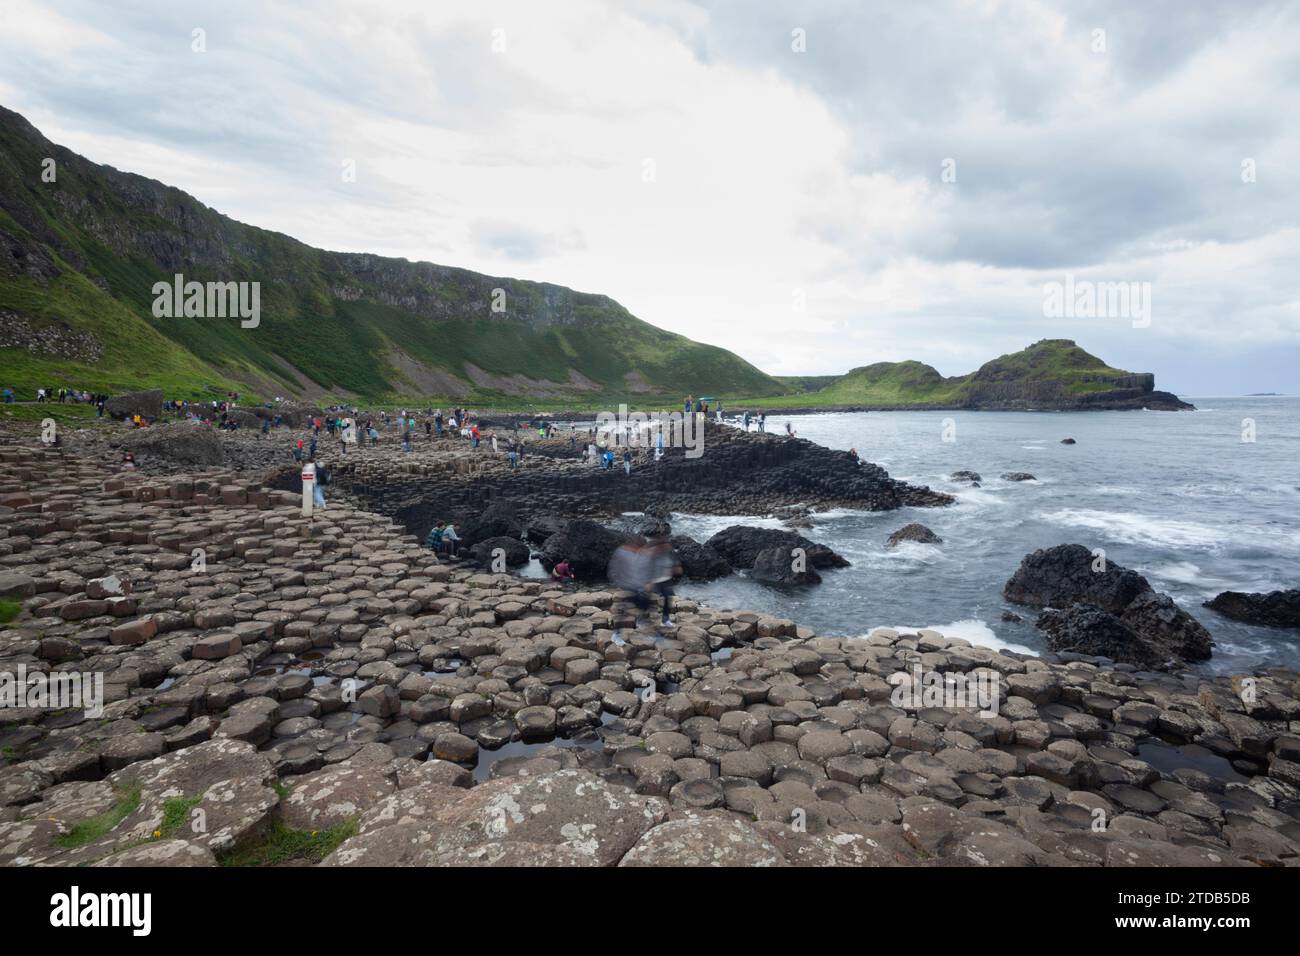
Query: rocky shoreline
{"x": 284, "y": 691}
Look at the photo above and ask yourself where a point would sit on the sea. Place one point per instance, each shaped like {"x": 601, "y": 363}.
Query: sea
{"x": 1197, "y": 501}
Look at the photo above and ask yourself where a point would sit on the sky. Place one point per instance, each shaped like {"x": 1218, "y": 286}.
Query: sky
{"x": 814, "y": 185}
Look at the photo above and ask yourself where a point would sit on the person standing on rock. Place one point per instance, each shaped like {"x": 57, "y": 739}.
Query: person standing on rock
{"x": 664, "y": 566}
{"x": 322, "y": 479}
{"x": 627, "y": 461}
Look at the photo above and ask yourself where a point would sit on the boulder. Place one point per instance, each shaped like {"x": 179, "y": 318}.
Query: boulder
{"x": 541, "y": 527}
{"x": 586, "y": 545}
{"x": 914, "y": 532}
{"x": 1087, "y": 629}
{"x": 1069, "y": 575}
{"x": 965, "y": 476}
{"x": 740, "y": 546}
{"x": 147, "y": 403}
{"x": 1271, "y": 609}
{"x": 516, "y": 551}
{"x": 776, "y": 566}
{"x": 181, "y": 443}
{"x": 700, "y": 562}
{"x": 498, "y": 520}
{"x": 1060, "y": 576}
{"x": 1018, "y": 476}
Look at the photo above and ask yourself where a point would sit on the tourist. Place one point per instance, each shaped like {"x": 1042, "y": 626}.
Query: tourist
{"x": 514, "y": 458}
{"x": 434, "y": 540}
{"x": 789, "y": 430}
{"x": 450, "y": 539}
{"x": 629, "y": 571}
{"x": 266, "y": 428}
{"x": 128, "y": 462}
{"x": 322, "y": 479}
{"x": 627, "y": 461}
{"x": 664, "y": 566}
{"x": 562, "y": 573}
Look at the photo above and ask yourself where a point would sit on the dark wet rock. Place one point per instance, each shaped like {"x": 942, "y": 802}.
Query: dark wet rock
{"x": 514, "y": 551}
{"x": 500, "y": 519}
{"x": 179, "y": 443}
{"x": 541, "y": 527}
{"x": 1067, "y": 441}
{"x": 1271, "y": 609}
{"x": 1064, "y": 575}
{"x": 1087, "y": 629}
{"x": 1070, "y": 574}
{"x": 1018, "y": 476}
{"x": 586, "y": 545}
{"x": 647, "y": 526}
{"x": 1160, "y": 622}
{"x": 700, "y": 562}
{"x": 914, "y": 532}
{"x": 740, "y": 546}
{"x": 779, "y": 567}
{"x": 965, "y": 476}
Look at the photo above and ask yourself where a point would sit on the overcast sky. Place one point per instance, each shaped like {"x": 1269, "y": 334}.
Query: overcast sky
{"x": 815, "y": 185}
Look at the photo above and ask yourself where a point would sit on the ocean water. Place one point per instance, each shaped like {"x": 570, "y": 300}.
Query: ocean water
{"x": 1177, "y": 496}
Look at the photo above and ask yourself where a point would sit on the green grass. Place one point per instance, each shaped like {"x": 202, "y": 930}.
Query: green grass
{"x": 283, "y": 845}
{"x": 87, "y": 831}
{"x": 176, "y": 814}
{"x": 9, "y": 609}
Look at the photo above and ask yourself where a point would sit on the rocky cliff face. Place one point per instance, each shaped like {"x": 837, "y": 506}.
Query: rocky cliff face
{"x": 352, "y": 324}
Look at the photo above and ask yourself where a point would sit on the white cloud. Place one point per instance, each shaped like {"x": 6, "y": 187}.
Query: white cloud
{"x": 778, "y": 177}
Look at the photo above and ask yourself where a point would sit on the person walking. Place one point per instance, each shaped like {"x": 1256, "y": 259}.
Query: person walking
{"x": 664, "y": 566}
{"x": 629, "y": 571}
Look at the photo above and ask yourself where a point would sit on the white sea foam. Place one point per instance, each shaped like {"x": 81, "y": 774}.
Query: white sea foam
{"x": 972, "y": 629}
{"x": 1129, "y": 527}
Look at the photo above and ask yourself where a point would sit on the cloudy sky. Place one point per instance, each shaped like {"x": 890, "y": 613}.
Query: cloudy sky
{"x": 815, "y": 185}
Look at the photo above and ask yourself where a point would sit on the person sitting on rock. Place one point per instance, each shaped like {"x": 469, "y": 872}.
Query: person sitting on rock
{"x": 434, "y": 540}
{"x": 128, "y": 462}
{"x": 450, "y": 539}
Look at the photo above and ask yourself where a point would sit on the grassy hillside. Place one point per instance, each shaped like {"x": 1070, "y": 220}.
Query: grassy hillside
{"x": 79, "y": 257}
{"x": 1053, "y": 371}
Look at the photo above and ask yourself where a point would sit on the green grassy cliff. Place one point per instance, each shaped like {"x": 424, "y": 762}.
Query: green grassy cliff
{"x": 79, "y": 257}
{"x": 1050, "y": 374}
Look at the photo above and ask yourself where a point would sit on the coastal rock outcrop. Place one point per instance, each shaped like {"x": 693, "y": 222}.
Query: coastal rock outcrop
{"x": 586, "y": 545}
{"x": 700, "y": 562}
{"x": 780, "y": 567}
{"x": 740, "y": 546}
{"x": 513, "y": 550}
{"x": 1158, "y": 631}
{"x": 914, "y": 532}
{"x": 1270, "y": 609}
{"x": 179, "y": 443}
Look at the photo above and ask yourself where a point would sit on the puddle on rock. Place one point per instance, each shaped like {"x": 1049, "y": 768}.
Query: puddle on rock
{"x": 1167, "y": 758}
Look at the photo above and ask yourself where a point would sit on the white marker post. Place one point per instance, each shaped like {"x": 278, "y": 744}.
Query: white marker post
{"x": 308, "y": 487}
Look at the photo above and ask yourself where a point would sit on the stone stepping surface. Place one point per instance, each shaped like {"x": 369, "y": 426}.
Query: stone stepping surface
{"x": 262, "y": 669}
